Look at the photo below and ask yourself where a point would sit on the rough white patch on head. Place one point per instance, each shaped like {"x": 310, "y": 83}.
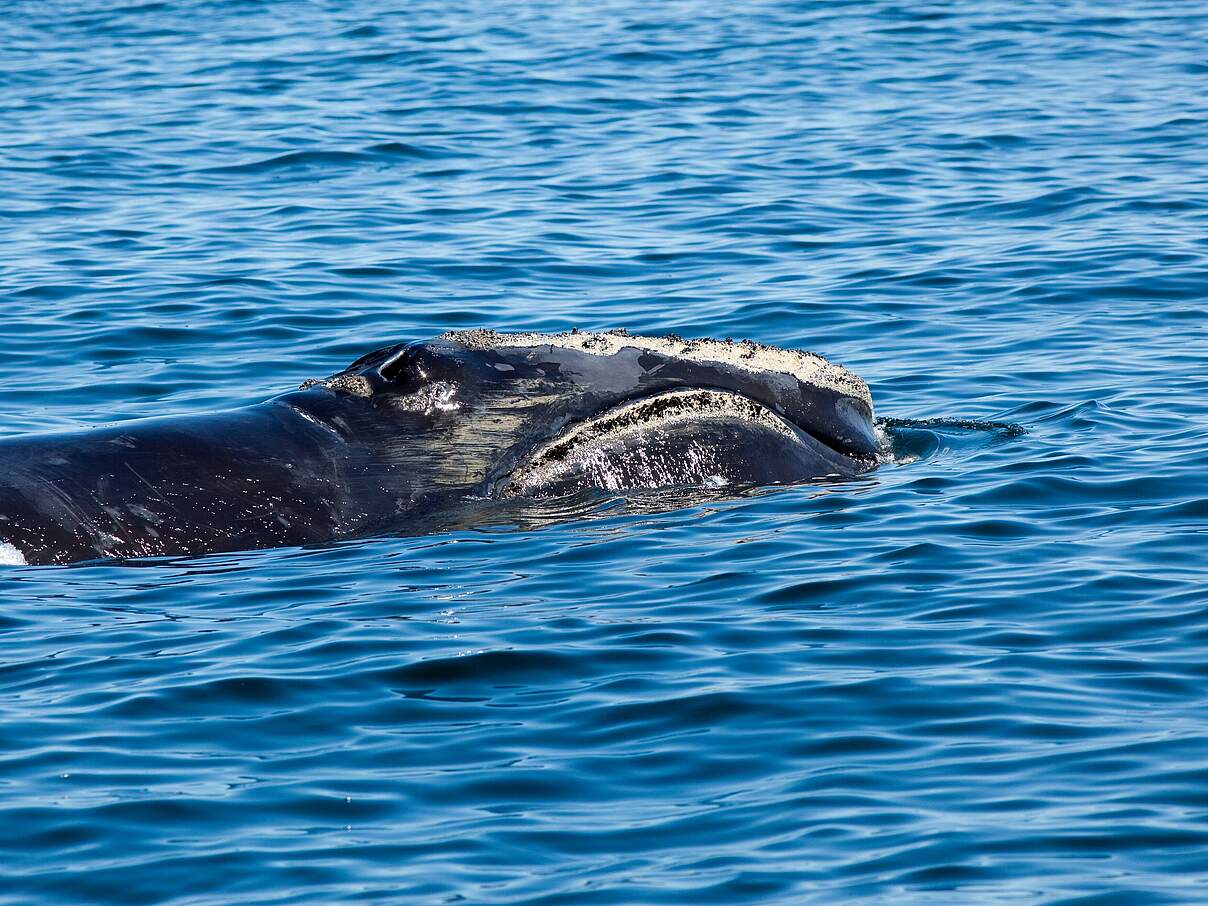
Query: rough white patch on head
{"x": 10, "y": 556}
{"x": 807, "y": 367}
{"x": 352, "y": 384}
{"x": 438, "y": 397}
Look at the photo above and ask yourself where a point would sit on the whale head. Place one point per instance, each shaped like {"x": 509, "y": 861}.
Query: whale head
{"x": 451, "y": 432}
{"x": 528, "y": 414}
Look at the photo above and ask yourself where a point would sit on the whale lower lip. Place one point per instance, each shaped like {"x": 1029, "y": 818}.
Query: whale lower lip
{"x": 681, "y": 426}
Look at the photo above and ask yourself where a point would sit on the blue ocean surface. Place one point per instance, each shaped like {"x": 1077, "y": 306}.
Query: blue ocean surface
{"x": 978, "y": 674}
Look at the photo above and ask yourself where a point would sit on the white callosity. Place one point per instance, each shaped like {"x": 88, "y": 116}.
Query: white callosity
{"x": 438, "y": 397}
{"x": 807, "y": 367}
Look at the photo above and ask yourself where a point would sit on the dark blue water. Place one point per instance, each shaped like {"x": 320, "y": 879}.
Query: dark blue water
{"x": 981, "y": 675}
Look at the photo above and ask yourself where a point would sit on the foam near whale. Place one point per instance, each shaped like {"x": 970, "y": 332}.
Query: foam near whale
{"x": 10, "y": 556}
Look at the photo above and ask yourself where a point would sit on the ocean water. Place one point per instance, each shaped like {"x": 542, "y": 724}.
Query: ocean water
{"x": 979, "y": 674}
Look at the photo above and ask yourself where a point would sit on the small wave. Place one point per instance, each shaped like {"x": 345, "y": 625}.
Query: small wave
{"x": 402, "y": 149}
{"x": 291, "y": 161}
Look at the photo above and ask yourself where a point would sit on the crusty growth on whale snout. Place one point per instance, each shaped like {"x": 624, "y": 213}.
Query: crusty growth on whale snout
{"x": 807, "y": 367}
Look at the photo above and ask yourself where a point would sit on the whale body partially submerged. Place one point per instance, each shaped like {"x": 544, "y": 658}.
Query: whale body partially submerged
{"x": 409, "y": 432}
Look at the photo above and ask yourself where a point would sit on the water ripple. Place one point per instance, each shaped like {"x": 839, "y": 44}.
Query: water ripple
{"x": 974, "y": 675}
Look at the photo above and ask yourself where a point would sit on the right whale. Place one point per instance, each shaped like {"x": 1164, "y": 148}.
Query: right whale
{"x": 399, "y": 441}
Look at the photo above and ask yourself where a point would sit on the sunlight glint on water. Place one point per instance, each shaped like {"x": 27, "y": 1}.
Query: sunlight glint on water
{"x": 975, "y": 675}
